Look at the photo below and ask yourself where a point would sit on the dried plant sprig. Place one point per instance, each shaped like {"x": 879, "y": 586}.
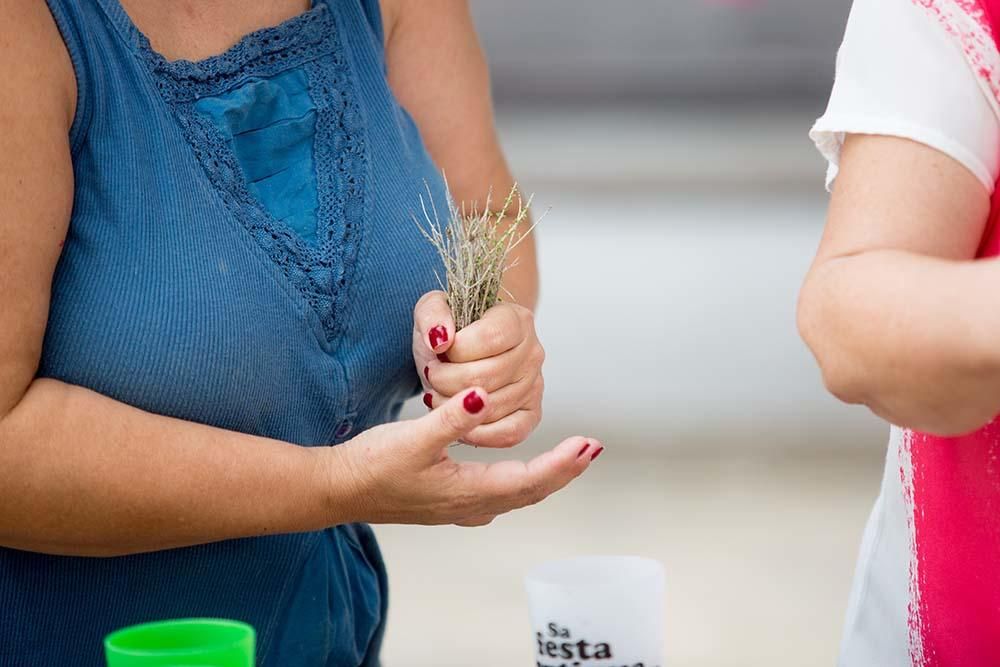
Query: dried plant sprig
{"x": 475, "y": 248}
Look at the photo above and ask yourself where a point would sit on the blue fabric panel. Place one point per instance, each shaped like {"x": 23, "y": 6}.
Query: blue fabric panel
{"x": 271, "y": 126}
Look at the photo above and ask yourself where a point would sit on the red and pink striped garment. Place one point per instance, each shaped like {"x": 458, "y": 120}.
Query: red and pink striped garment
{"x": 951, "y": 486}
{"x": 927, "y": 589}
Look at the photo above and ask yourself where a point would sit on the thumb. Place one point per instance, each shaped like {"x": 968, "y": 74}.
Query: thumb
{"x": 451, "y": 421}
{"x": 433, "y": 323}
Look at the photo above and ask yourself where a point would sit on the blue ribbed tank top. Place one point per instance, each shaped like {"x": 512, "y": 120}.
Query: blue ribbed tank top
{"x": 241, "y": 253}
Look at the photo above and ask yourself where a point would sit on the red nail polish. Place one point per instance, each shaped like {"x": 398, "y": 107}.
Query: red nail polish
{"x": 438, "y": 336}
{"x": 427, "y": 373}
{"x": 473, "y": 403}
{"x": 583, "y": 450}
{"x": 428, "y": 401}
{"x": 597, "y": 453}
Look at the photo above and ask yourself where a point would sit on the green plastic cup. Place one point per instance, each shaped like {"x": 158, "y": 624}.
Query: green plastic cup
{"x": 188, "y": 642}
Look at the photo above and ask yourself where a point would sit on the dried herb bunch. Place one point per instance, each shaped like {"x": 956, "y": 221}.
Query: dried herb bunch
{"x": 475, "y": 247}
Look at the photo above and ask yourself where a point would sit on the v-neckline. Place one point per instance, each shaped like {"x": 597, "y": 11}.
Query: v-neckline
{"x": 322, "y": 273}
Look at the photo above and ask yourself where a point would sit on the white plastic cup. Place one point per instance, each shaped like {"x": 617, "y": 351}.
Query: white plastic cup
{"x": 597, "y": 611}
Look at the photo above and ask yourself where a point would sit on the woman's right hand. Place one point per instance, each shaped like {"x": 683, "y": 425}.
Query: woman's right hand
{"x": 401, "y": 472}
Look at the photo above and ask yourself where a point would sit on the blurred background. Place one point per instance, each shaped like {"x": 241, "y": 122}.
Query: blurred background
{"x": 669, "y": 139}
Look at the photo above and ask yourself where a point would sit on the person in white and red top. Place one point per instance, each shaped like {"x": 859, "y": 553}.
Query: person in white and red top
{"x": 902, "y": 311}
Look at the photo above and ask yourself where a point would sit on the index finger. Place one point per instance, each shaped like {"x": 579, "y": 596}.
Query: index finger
{"x": 433, "y": 322}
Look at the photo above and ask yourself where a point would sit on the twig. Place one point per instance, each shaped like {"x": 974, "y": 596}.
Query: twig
{"x": 475, "y": 247}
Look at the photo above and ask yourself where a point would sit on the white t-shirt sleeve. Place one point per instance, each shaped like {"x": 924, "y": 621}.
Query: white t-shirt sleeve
{"x": 900, "y": 73}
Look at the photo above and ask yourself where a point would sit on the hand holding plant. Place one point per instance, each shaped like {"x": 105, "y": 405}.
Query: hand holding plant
{"x": 499, "y": 352}
{"x": 469, "y": 335}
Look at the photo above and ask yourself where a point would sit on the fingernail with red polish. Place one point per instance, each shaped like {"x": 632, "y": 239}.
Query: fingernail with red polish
{"x": 473, "y": 403}
{"x": 583, "y": 450}
{"x": 428, "y": 401}
{"x": 427, "y": 373}
{"x": 438, "y": 336}
{"x": 596, "y": 453}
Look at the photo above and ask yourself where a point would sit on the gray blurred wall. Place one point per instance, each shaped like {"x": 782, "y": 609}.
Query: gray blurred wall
{"x": 643, "y": 50}
{"x": 670, "y": 139}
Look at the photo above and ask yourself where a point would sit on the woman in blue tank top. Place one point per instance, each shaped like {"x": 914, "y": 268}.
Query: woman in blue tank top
{"x": 208, "y": 276}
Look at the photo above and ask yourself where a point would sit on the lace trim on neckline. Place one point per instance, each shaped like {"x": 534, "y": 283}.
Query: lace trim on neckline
{"x": 264, "y": 52}
{"x": 322, "y": 273}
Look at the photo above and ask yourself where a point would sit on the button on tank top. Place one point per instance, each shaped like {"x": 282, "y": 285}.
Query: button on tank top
{"x": 241, "y": 253}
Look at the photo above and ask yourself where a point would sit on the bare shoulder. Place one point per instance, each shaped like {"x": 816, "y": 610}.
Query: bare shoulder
{"x": 34, "y": 62}
{"x": 411, "y": 15}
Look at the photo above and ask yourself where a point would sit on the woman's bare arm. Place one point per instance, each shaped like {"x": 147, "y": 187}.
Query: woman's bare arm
{"x": 79, "y": 472}
{"x": 439, "y": 74}
{"x": 82, "y": 474}
{"x": 895, "y": 312}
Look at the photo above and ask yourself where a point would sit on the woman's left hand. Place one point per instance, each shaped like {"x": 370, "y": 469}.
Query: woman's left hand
{"x": 500, "y": 353}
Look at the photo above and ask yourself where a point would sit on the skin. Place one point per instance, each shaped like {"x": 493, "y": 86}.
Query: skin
{"x": 895, "y": 311}
{"x": 70, "y": 458}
